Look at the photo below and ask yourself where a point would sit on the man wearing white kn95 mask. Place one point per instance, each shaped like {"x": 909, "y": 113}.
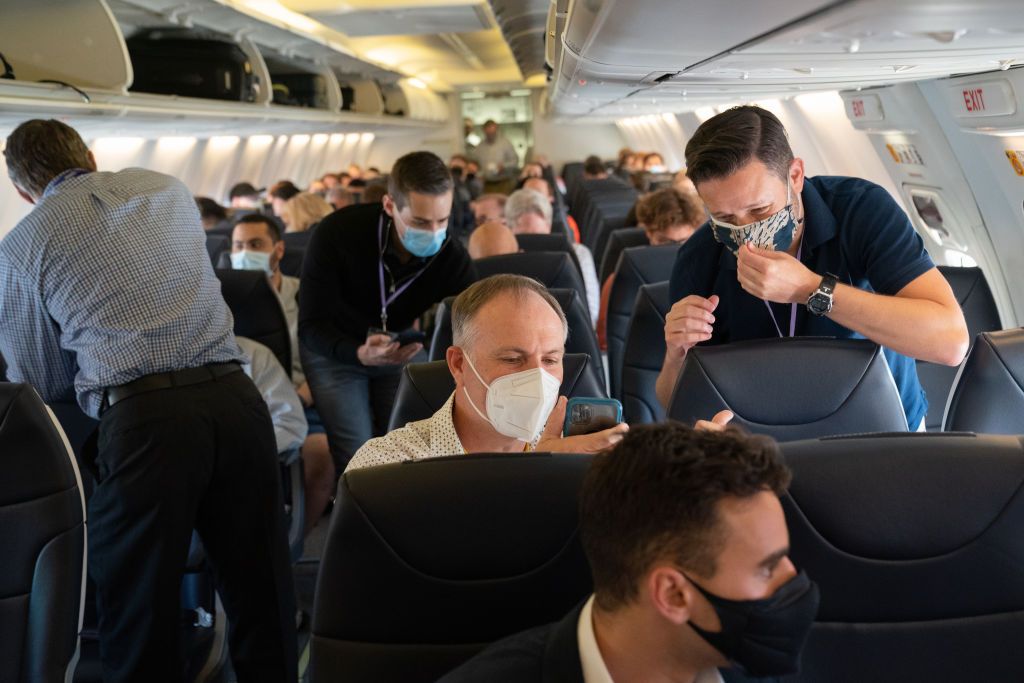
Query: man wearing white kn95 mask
{"x": 508, "y": 341}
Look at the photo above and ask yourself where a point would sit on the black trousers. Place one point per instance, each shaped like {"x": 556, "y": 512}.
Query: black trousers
{"x": 198, "y": 457}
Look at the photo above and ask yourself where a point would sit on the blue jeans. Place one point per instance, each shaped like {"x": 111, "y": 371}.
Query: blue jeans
{"x": 354, "y": 401}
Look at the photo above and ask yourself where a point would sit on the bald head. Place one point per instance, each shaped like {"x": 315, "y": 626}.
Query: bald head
{"x": 492, "y": 239}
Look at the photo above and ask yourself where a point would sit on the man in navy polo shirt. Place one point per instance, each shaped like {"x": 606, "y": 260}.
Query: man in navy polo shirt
{"x": 785, "y": 255}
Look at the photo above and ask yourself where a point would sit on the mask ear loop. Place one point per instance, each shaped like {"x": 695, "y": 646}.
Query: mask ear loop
{"x": 466, "y": 391}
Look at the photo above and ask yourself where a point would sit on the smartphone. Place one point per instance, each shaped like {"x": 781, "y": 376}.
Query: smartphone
{"x": 589, "y": 415}
{"x": 376, "y": 330}
{"x": 411, "y": 337}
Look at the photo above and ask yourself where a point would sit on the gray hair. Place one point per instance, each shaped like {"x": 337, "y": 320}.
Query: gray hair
{"x": 476, "y": 296}
{"x": 38, "y": 151}
{"x": 523, "y": 202}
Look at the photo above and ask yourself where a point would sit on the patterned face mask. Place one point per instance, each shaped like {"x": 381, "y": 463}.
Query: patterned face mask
{"x": 775, "y": 232}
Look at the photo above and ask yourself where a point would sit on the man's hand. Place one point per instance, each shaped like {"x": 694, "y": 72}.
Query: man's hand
{"x": 717, "y": 423}
{"x": 775, "y": 276}
{"x": 379, "y": 349}
{"x": 689, "y": 323}
{"x": 305, "y": 395}
{"x": 551, "y": 439}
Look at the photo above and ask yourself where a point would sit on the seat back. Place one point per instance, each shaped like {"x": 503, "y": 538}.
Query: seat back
{"x": 638, "y": 266}
{"x": 549, "y": 242}
{"x": 404, "y": 596}
{"x": 43, "y": 536}
{"x": 425, "y": 387}
{"x": 216, "y": 245}
{"x": 644, "y": 354}
{"x": 553, "y": 269}
{"x": 620, "y": 239}
{"x": 257, "y": 311}
{"x": 791, "y": 388}
{"x": 581, "y": 339}
{"x": 914, "y": 541}
{"x": 979, "y": 307}
{"x": 988, "y": 395}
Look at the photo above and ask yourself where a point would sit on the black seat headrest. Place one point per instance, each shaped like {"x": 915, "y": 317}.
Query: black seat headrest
{"x": 618, "y": 240}
{"x": 638, "y": 266}
{"x": 257, "y": 311}
{"x": 458, "y": 578}
{"x": 988, "y": 395}
{"x": 979, "y": 307}
{"x": 915, "y": 543}
{"x": 216, "y": 245}
{"x": 791, "y": 388}
{"x": 42, "y": 533}
{"x": 553, "y": 269}
{"x": 644, "y": 354}
{"x": 425, "y": 387}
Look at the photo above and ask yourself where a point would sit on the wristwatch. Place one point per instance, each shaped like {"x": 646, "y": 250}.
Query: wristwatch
{"x": 820, "y": 302}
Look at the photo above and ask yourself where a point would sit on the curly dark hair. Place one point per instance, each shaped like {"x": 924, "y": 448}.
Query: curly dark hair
{"x": 668, "y": 207}
{"x": 656, "y": 494}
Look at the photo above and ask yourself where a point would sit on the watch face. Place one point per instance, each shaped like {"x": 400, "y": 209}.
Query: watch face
{"x": 818, "y": 304}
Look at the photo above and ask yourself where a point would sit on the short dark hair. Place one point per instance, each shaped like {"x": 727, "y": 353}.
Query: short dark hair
{"x": 655, "y": 496}
{"x": 374, "y": 191}
{"x": 283, "y": 189}
{"x": 420, "y": 172}
{"x": 243, "y": 189}
{"x": 39, "y": 150}
{"x": 593, "y": 165}
{"x": 253, "y": 218}
{"x": 725, "y": 143}
{"x": 490, "y": 122}
{"x": 208, "y": 208}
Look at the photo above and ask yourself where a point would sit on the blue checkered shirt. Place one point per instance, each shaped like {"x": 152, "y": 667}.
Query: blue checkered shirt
{"x": 108, "y": 280}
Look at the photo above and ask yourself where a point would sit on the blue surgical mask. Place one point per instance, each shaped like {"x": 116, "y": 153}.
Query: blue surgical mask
{"x": 423, "y": 243}
{"x": 775, "y": 232}
{"x": 251, "y": 260}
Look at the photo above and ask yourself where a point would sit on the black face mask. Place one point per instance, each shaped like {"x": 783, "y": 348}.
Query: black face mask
{"x": 764, "y": 637}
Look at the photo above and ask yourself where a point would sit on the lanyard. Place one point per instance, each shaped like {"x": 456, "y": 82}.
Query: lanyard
{"x": 385, "y": 300}
{"x": 792, "y": 315}
{"x": 64, "y": 175}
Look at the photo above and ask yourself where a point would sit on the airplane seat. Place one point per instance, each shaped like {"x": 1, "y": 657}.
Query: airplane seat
{"x": 217, "y": 244}
{"x": 553, "y": 269}
{"x": 644, "y": 354}
{"x": 638, "y": 266}
{"x": 611, "y": 219}
{"x": 791, "y": 388}
{"x": 425, "y": 387}
{"x": 618, "y": 240}
{"x": 43, "y": 536}
{"x": 572, "y": 175}
{"x": 581, "y": 339}
{"x": 257, "y": 311}
{"x": 914, "y": 541}
{"x": 404, "y": 597}
{"x": 552, "y": 242}
{"x": 291, "y": 262}
{"x": 988, "y": 394}
{"x": 975, "y": 298}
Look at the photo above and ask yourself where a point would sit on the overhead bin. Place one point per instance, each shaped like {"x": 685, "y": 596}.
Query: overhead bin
{"x": 298, "y": 83}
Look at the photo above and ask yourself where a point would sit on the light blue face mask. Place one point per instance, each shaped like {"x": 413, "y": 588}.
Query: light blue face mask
{"x": 251, "y": 260}
{"x": 423, "y": 243}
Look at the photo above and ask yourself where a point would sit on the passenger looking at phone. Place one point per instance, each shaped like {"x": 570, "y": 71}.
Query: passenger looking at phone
{"x": 371, "y": 270}
{"x": 508, "y": 338}
{"x": 787, "y": 255}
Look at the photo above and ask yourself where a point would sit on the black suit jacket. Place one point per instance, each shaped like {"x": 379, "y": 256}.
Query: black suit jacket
{"x": 548, "y": 654}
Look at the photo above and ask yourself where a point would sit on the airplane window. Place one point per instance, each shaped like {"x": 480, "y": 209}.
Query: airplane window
{"x": 928, "y": 211}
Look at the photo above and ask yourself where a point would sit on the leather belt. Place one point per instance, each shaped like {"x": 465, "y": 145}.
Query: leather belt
{"x": 167, "y": 380}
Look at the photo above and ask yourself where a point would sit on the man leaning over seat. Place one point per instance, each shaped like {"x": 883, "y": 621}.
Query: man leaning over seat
{"x": 508, "y": 332}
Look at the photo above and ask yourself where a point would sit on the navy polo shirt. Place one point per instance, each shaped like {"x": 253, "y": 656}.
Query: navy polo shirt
{"x": 853, "y": 229}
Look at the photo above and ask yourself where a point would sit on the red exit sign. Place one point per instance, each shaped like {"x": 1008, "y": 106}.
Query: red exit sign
{"x": 858, "y": 108}
{"x": 864, "y": 107}
{"x": 974, "y": 99}
{"x": 983, "y": 99}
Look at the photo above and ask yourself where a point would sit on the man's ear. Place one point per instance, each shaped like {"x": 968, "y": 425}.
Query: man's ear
{"x": 279, "y": 249}
{"x": 796, "y": 175}
{"x": 92, "y": 161}
{"x": 456, "y": 362}
{"x": 389, "y": 205}
{"x": 669, "y": 593}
